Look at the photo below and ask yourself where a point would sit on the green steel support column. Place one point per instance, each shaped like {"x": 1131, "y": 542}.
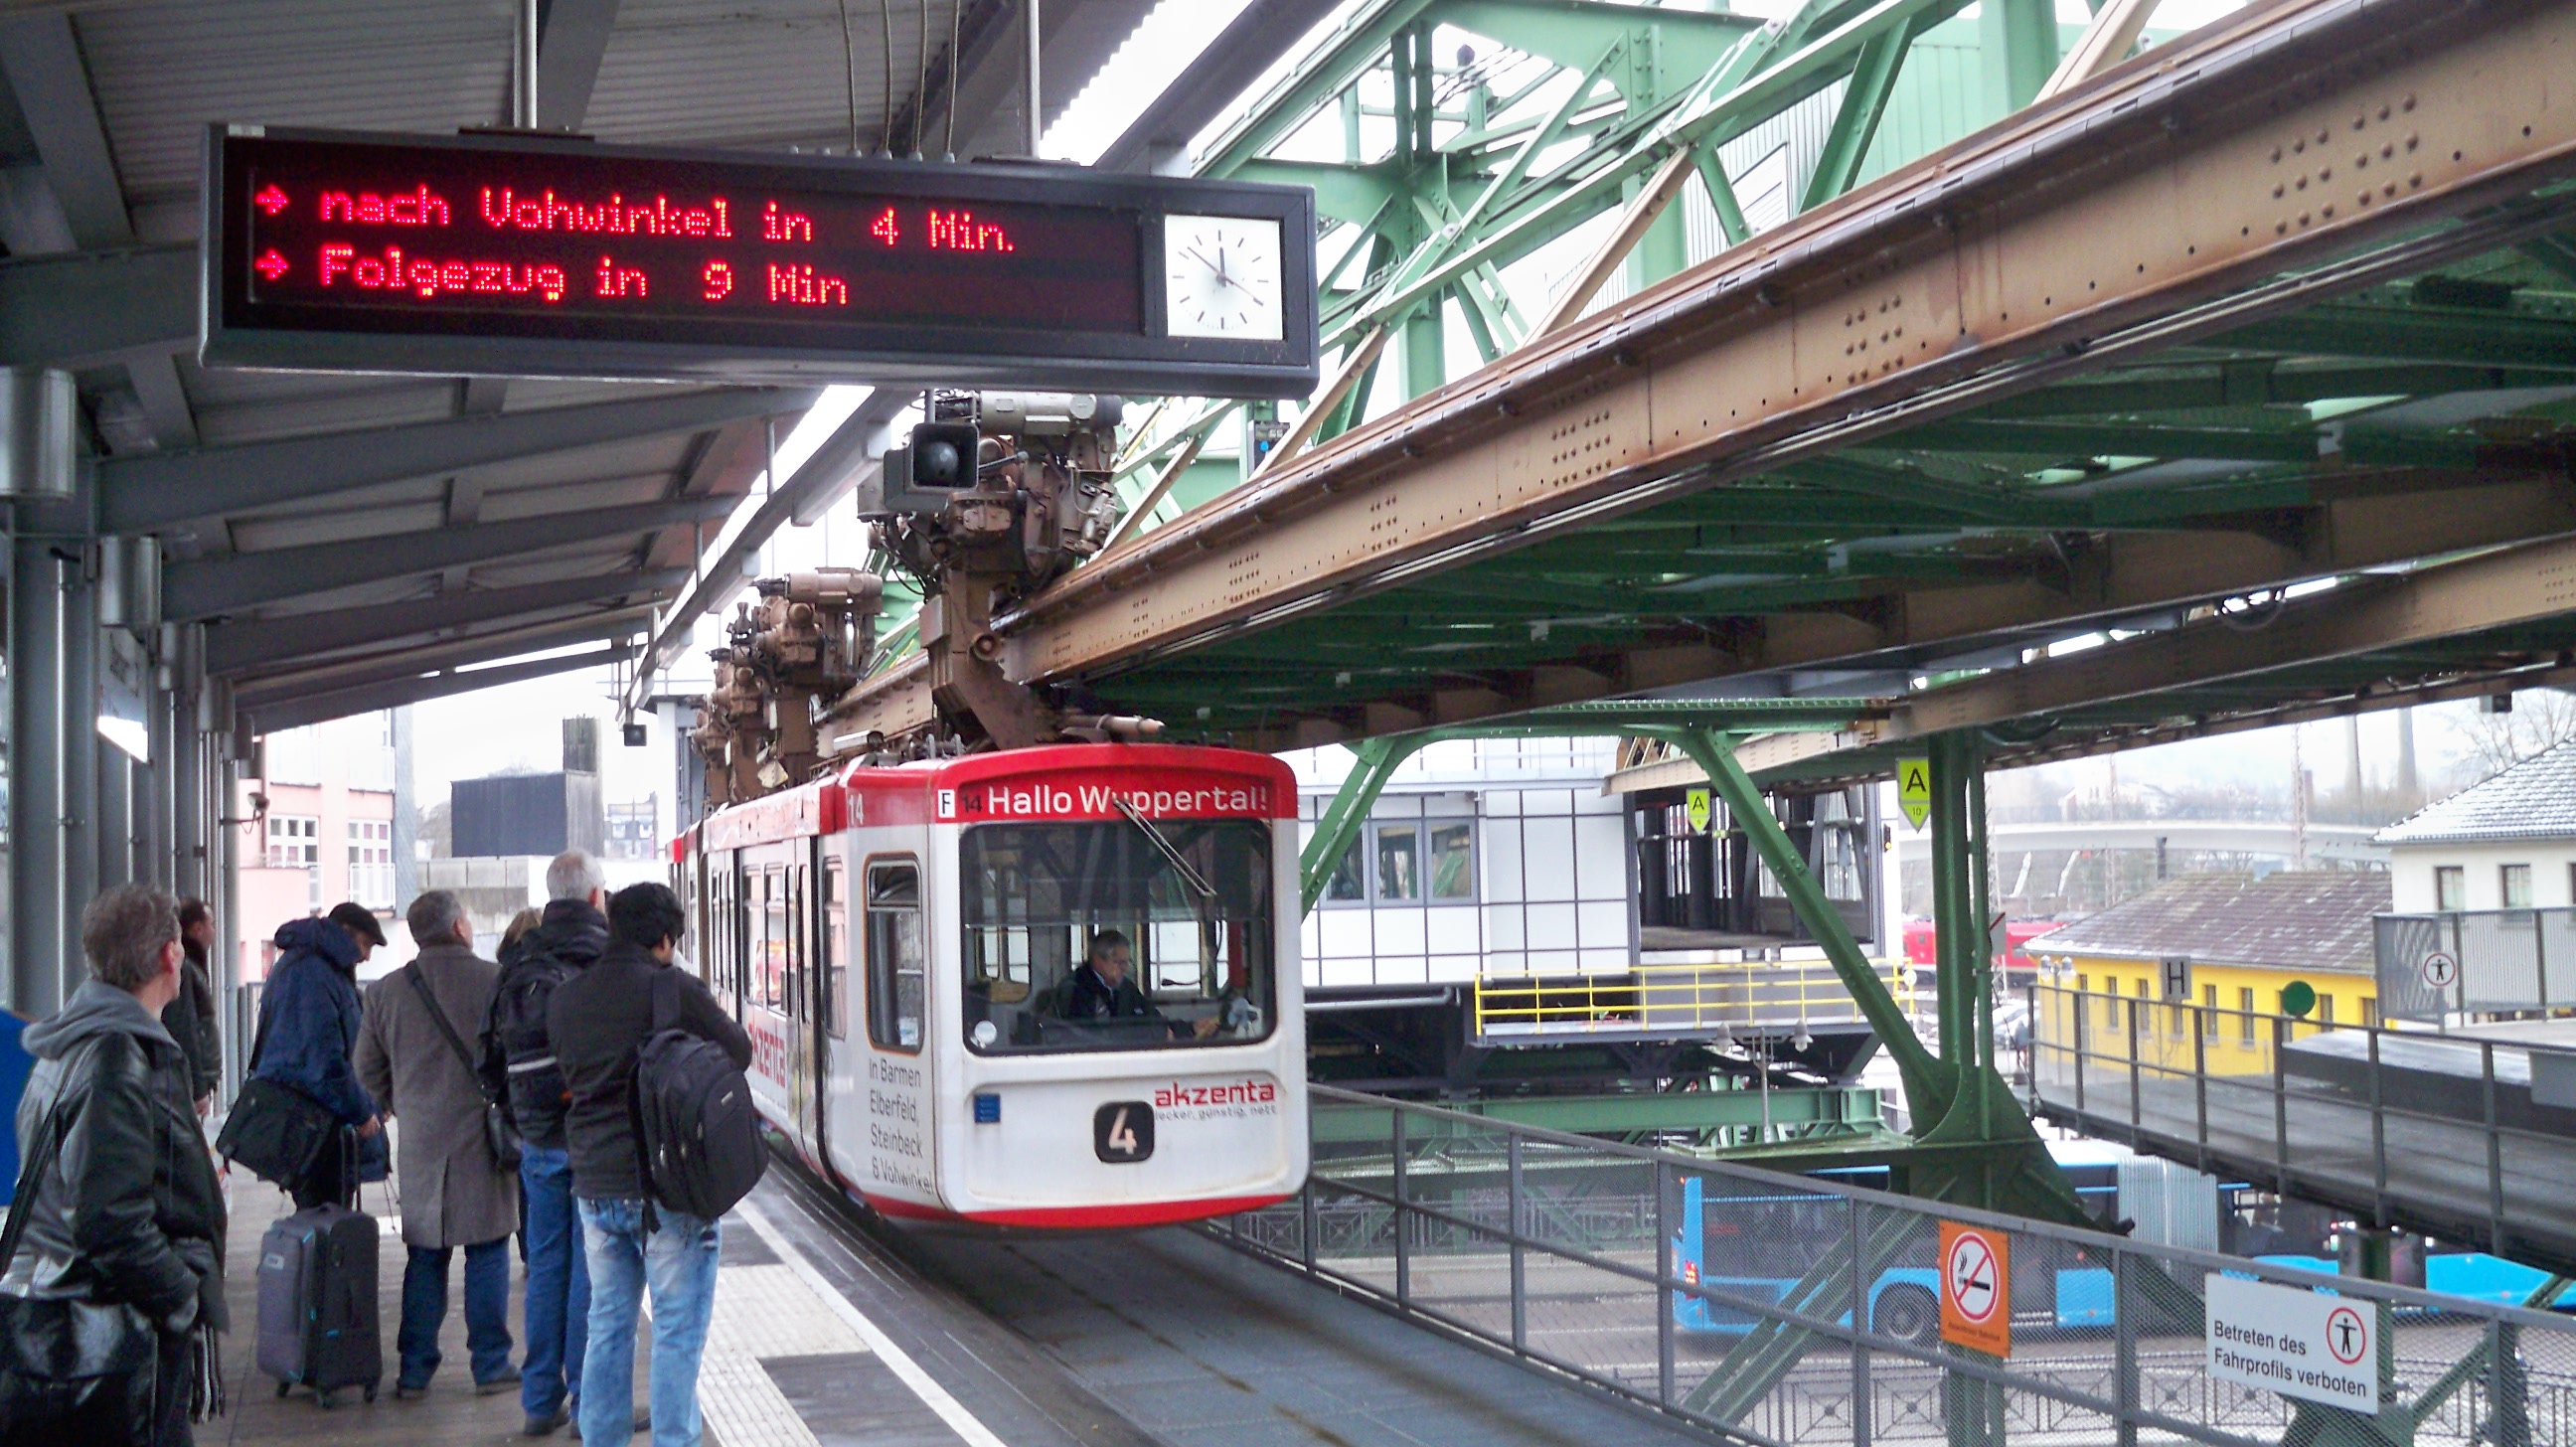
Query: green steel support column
{"x": 1425, "y": 368}
{"x": 1721, "y": 194}
{"x": 1873, "y": 81}
{"x": 1340, "y": 824}
{"x": 1953, "y": 903}
{"x": 2019, "y": 39}
{"x": 1928, "y": 1082}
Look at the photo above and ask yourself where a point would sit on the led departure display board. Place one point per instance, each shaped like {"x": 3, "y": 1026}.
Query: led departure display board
{"x": 509, "y": 255}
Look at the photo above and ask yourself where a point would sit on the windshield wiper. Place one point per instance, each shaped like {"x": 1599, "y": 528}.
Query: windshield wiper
{"x": 1189, "y": 876}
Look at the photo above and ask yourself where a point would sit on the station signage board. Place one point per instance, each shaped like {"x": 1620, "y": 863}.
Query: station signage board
{"x": 517, "y": 255}
{"x": 2291, "y": 1340}
{"x": 1976, "y": 1288}
{"x": 1914, "y": 790}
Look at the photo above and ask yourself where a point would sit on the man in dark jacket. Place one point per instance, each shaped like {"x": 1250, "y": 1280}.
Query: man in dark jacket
{"x": 190, "y": 1018}
{"x": 597, "y": 1020}
{"x": 519, "y": 1059}
{"x": 130, "y": 1212}
{"x": 308, "y": 1026}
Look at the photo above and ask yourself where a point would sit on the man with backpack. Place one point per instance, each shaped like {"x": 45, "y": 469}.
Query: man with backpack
{"x": 601, "y": 1020}
{"x": 520, "y": 1064}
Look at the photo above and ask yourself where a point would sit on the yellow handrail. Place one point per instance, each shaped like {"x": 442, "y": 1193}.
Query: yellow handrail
{"x": 1676, "y": 997}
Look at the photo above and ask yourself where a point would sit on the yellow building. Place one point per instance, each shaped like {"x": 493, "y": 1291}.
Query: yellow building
{"x": 2194, "y": 969}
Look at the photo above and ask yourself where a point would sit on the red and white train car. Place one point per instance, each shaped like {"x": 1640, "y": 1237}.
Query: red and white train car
{"x": 900, "y": 943}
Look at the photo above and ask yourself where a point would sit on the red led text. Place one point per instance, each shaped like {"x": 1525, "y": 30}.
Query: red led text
{"x": 419, "y": 207}
{"x": 615, "y": 280}
{"x": 777, "y": 225}
{"x": 884, "y": 228}
{"x": 615, "y": 216}
{"x": 718, "y": 280}
{"x": 428, "y": 277}
{"x": 960, "y": 231}
{"x": 801, "y": 286}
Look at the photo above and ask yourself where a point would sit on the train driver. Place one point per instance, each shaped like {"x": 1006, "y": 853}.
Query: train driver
{"x": 1101, "y": 988}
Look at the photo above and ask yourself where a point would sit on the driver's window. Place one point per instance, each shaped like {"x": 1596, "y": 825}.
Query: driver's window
{"x": 895, "y": 965}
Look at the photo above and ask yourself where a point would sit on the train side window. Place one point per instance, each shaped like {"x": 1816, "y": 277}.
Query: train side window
{"x": 895, "y": 964}
{"x": 773, "y": 939}
{"x": 836, "y": 952}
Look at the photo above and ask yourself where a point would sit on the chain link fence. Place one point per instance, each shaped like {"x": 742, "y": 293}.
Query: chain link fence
{"x": 1777, "y": 1309}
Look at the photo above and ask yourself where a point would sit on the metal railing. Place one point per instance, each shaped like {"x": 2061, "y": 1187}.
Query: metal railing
{"x": 1569, "y": 1255}
{"x": 2477, "y": 961}
{"x": 2440, "y": 1134}
{"x": 1658, "y": 999}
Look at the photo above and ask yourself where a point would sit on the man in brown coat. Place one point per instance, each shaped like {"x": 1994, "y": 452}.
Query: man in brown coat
{"x": 453, "y": 1193}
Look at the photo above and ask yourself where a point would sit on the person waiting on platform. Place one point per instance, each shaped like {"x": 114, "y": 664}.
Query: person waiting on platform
{"x": 413, "y": 1059}
{"x": 190, "y": 1018}
{"x": 309, "y": 1018}
{"x": 1103, "y": 988}
{"x": 124, "y": 1219}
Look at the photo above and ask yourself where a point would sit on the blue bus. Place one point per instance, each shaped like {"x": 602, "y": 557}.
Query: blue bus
{"x": 1758, "y": 1247}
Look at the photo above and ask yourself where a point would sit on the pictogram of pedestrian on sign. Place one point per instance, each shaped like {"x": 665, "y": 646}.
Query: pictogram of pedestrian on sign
{"x": 2440, "y": 969}
{"x": 1976, "y": 1289}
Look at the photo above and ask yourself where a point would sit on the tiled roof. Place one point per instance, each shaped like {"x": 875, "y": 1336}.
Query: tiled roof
{"x": 2293, "y": 919}
{"x": 2535, "y": 799}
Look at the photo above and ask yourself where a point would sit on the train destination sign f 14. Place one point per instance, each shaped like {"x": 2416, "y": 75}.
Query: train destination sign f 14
{"x": 513, "y": 255}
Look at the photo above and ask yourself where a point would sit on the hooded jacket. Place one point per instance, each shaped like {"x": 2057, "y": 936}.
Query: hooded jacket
{"x": 310, "y": 1016}
{"x": 131, "y": 1210}
{"x": 519, "y": 1059}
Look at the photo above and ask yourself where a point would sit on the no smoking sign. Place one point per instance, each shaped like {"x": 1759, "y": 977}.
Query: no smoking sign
{"x": 1976, "y": 1289}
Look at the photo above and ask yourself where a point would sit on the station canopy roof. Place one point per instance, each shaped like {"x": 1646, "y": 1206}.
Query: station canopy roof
{"x": 352, "y": 540}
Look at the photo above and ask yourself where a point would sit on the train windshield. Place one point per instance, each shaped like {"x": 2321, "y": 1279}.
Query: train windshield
{"x": 1137, "y": 934}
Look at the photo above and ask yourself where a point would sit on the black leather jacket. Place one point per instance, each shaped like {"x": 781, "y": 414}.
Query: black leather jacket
{"x": 132, "y": 1210}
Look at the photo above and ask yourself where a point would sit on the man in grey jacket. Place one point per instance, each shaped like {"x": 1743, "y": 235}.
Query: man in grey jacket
{"x": 453, "y": 1193}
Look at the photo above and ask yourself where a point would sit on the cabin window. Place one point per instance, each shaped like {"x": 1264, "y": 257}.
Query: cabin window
{"x": 2450, "y": 887}
{"x": 836, "y": 952}
{"x": 1189, "y": 900}
{"x": 2513, "y": 885}
{"x": 896, "y": 968}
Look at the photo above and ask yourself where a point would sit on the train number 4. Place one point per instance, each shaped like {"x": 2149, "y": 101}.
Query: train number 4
{"x": 1122, "y": 1132}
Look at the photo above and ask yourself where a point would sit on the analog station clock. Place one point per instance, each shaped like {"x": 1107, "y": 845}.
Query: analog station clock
{"x": 1221, "y": 278}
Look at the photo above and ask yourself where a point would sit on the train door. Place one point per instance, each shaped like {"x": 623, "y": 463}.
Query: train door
{"x": 804, "y": 1059}
{"x": 768, "y": 915}
{"x": 891, "y": 1015}
{"x": 827, "y": 993}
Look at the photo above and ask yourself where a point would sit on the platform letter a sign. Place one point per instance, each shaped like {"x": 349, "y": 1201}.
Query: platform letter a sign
{"x": 1695, "y": 808}
{"x": 1914, "y": 790}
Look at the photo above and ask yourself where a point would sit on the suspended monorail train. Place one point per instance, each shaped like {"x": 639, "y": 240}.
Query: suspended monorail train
{"x": 901, "y": 942}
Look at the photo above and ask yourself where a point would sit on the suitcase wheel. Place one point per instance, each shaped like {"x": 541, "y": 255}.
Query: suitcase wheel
{"x": 284, "y": 1387}
{"x": 325, "y": 1400}
{"x": 371, "y": 1393}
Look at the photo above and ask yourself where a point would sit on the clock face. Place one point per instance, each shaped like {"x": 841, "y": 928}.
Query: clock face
{"x": 1221, "y": 278}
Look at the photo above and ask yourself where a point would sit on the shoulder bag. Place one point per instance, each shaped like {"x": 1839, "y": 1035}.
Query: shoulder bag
{"x": 68, "y": 1367}
{"x": 274, "y": 1129}
{"x": 500, "y": 1133}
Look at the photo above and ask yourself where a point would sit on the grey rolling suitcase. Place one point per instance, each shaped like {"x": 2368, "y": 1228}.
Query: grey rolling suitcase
{"x": 317, "y": 1301}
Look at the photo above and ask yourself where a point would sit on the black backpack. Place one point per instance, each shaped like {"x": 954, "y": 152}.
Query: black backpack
{"x": 537, "y": 1093}
{"x": 697, "y": 1133}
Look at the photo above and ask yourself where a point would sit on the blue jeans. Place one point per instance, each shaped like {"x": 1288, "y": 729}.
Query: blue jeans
{"x": 487, "y": 1310}
{"x": 558, "y": 1311}
{"x": 679, "y": 1262}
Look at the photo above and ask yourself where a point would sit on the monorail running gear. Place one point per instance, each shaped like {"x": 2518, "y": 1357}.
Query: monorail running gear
{"x": 696, "y": 1129}
{"x": 317, "y": 1296}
